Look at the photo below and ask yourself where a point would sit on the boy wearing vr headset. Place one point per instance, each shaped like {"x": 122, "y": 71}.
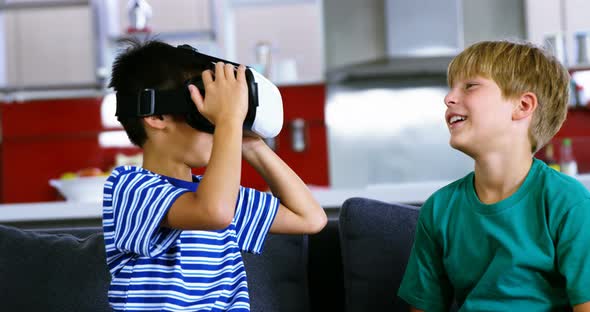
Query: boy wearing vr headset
{"x": 173, "y": 239}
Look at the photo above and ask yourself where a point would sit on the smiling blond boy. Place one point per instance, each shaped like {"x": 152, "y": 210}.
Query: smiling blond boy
{"x": 514, "y": 234}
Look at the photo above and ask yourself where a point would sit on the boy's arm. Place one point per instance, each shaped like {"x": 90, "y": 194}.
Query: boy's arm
{"x": 298, "y": 212}
{"x": 212, "y": 206}
{"x": 425, "y": 285}
{"x": 573, "y": 251}
{"x": 584, "y": 307}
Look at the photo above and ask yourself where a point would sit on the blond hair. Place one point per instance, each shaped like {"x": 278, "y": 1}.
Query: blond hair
{"x": 518, "y": 68}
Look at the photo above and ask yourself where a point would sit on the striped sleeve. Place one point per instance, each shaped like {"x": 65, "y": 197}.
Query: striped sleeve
{"x": 255, "y": 213}
{"x": 140, "y": 202}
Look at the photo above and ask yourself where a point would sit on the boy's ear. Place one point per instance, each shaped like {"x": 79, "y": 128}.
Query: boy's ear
{"x": 527, "y": 104}
{"x": 155, "y": 121}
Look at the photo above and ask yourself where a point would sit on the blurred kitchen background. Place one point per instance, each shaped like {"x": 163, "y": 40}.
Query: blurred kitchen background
{"x": 362, "y": 81}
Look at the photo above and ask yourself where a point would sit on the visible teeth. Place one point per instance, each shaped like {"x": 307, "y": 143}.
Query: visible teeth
{"x": 456, "y": 118}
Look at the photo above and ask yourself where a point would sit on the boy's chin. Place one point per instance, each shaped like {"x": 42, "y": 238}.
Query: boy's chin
{"x": 460, "y": 146}
{"x": 456, "y": 144}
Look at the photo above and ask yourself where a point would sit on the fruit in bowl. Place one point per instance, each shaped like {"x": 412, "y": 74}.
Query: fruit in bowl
{"x": 84, "y": 186}
{"x": 90, "y": 172}
{"x": 68, "y": 176}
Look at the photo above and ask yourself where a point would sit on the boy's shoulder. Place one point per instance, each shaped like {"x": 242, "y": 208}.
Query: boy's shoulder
{"x": 147, "y": 178}
{"x": 446, "y": 192}
{"x": 558, "y": 187}
{"x": 117, "y": 172}
{"x": 136, "y": 173}
{"x": 437, "y": 205}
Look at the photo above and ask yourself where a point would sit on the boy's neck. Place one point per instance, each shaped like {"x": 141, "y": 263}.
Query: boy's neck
{"x": 499, "y": 176}
{"x": 166, "y": 167}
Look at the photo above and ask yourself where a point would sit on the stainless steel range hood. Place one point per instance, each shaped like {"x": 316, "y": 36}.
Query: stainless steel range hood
{"x": 421, "y": 38}
{"x": 385, "y": 117}
{"x": 396, "y": 68}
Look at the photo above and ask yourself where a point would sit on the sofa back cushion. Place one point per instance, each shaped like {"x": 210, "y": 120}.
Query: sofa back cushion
{"x": 65, "y": 270}
{"x": 376, "y": 239}
{"x": 277, "y": 278}
{"x": 52, "y": 272}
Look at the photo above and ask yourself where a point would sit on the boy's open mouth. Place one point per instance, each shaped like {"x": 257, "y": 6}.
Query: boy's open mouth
{"x": 456, "y": 119}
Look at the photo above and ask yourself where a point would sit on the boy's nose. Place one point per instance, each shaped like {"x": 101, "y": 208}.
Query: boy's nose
{"x": 450, "y": 98}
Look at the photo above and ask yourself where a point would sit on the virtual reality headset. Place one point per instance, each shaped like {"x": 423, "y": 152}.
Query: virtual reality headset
{"x": 265, "y": 105}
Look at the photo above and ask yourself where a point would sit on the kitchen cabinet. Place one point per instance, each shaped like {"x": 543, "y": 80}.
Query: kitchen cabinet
{"x": 176, "y": 22}
{"x": 231, "y": 29}
{"x": 47, "y": 46}
{"x": 301, "y": 103}
{"x": 79, "y": 40}
{"x": 42, "y": 139}
{"x": 293, "y": 29}
{"x": 563, "y": 18}
{"x": 171, "y": 16}
{"x": 577, "y": 128}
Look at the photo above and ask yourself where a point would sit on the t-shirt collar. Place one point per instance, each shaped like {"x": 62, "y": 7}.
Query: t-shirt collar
{"x": 523, "y": 190}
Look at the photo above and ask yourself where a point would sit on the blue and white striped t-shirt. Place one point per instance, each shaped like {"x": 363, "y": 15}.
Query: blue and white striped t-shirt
{"x": 155, "y": 268}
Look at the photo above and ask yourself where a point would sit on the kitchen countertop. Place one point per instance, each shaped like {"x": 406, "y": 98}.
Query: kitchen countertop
{"x": 330, "y": 199}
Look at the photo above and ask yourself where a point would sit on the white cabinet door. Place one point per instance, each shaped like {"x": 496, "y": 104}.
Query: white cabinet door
{"x": 294, "y": 30}
{"x": 576, "y": 21}
{"x": 543, "y": 18}
{"x": 555, "y": 17}
{"x": 173, "y": 16}
{"x": 59, "y": 46}
{"x": 45, "y": 47}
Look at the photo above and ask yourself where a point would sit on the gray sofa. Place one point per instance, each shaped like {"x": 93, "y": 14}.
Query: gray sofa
{"x": 376, "y": 240}
{"x": 355, "y": 264}
{"x": 64, "y": 270}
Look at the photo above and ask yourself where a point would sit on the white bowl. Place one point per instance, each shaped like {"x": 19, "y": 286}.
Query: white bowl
{"x": 81, "y": 189}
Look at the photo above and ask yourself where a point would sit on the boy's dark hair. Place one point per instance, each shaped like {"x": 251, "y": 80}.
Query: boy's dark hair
{"x": 150, "y": 64}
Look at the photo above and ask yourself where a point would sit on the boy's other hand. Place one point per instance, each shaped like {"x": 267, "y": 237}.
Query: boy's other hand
{"x": 226, "y": 94}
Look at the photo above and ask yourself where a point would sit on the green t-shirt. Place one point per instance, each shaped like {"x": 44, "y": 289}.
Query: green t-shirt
{"x": 528, "y": 252}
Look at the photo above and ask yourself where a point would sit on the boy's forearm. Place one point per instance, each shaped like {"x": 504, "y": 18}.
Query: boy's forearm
{"x": 583, "y": 307}
{"x": 283, "y": 181}
{"x": 220, "y": 184}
